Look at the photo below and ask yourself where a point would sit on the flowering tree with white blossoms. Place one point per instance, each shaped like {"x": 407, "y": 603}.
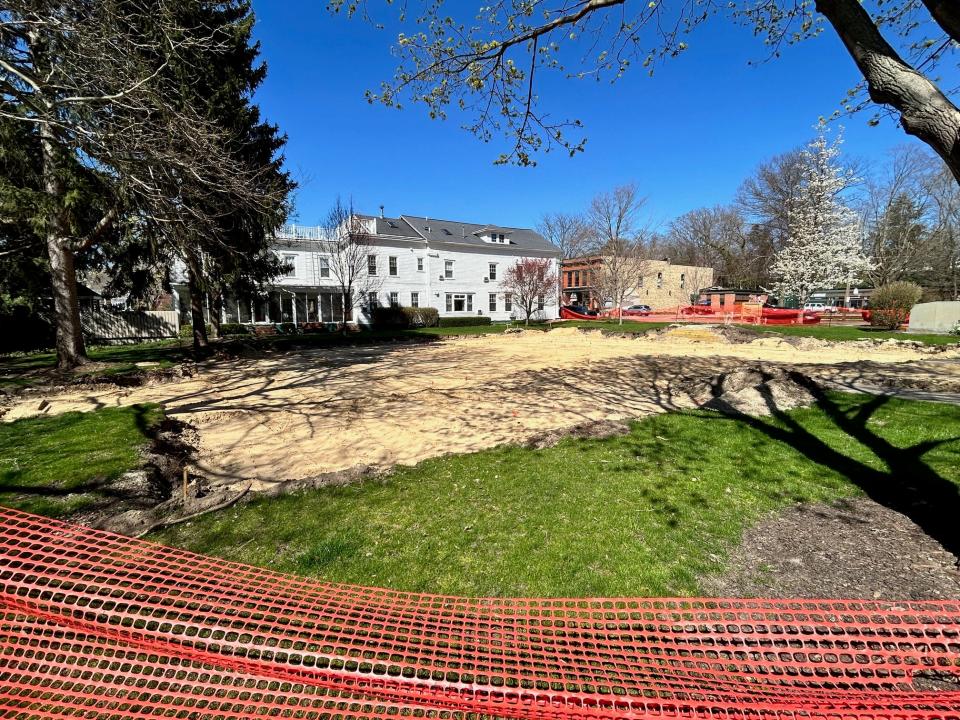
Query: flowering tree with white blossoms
{"x": 823, "y": 247}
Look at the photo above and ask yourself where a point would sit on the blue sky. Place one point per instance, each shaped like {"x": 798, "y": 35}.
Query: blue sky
{"x": 688, "y": 136}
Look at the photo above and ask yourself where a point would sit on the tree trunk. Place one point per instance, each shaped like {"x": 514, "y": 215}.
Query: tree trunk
{"x": 63, "y": 273}
{"x": 216, "y": 312}
{"x": 925, "y": 112}
{"x": 200, "y": 345}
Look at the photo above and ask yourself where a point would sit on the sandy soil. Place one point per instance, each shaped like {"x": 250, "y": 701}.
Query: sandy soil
{"x": 299, "y": 415}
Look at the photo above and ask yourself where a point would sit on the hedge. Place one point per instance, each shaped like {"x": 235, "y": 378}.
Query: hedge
{"x": 465, "y": 321}
{"x": 186, "y": 331}
{"x": 394, "y": 317}
{"x": 234, "y": 329}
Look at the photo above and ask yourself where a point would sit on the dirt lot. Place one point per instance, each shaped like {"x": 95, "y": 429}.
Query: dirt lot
{"x": 300, "y": 415}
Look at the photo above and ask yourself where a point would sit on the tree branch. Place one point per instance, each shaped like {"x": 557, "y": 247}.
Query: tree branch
{"x": 101, "y": 227}
{"x": 925, "y": 111}
{"x": 947, "y": 15}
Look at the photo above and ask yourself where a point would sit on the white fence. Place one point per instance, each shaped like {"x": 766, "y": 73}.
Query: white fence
{"x": 108, "y": 325}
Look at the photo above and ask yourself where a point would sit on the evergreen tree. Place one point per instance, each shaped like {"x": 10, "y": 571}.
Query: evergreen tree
{"x": 106, "y": 87}
{"x": 232, "y": 252}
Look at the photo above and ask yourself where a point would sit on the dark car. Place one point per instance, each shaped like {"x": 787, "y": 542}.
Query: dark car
{"x": 642, "y": 310}
{"x": 581, "y": 310}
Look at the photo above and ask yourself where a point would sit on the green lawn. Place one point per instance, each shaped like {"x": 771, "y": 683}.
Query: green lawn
{"x": 23, "y": 369}
{"x": 851, "y": 332}
{"x": 645, "y": 514}
{"x": 65, "y": 463}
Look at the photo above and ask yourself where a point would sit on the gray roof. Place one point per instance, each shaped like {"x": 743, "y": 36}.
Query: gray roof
{"x": 437, "y": 230}
{"x": 392, "y": 226}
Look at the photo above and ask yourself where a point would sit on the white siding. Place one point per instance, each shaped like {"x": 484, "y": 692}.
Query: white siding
{"x": 471, "y": 273}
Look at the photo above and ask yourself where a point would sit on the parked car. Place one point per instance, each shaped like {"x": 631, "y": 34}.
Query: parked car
{"x": 818, "y": 307}
{"x": 581, "y": 310}
{"x": 641, "y": 310}
{"x": 697, "y": 309}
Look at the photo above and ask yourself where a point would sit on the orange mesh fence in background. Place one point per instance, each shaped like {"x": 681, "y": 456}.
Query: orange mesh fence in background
{"x": 97, "y": 625}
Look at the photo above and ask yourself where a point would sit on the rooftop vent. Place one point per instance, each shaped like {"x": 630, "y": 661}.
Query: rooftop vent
{"x": 447, "y": 232}
{"x": 392, "y": 224}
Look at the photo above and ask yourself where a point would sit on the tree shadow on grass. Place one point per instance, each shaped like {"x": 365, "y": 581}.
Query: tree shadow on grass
{"x": 908, "y": 486}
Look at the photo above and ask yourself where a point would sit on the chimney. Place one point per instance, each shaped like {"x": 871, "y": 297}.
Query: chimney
{"x": 381, "y": 212}
{"x": 463, "y": 231}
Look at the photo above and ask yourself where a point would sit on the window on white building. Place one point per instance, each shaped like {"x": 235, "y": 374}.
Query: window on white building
{"x": 290, "y": 266}
{"x": 493, "y": 302}
{"x": 492, "y": 271}
{"x": 371, "y": 264}
{"x": 394, "y": 299}
{"x": 324, "y": 267}
{"x": 539, "y": 302}
{"x": 393, "y": 265}
{"x": 372, "y": 301}
{"x": 419, "y": 264}
{"x": 448, "y": 269}
{"x": 414, "y": 299}
{"x": 508, "y": 302}
{"x": 459, "y": 302}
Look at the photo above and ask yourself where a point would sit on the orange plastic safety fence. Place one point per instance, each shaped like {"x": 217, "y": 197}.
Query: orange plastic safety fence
{"x": 97, "y": 625}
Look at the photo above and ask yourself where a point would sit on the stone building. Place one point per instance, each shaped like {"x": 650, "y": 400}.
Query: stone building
{"x": 663, "y": 286}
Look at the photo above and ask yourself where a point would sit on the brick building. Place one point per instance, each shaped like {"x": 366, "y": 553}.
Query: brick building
{"x": 664, "y": 285}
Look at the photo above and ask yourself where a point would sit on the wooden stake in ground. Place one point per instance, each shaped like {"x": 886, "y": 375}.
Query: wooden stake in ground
{"x": 186, "y": 479}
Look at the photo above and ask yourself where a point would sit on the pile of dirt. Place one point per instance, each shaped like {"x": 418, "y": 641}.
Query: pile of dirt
{"x": 754, "y": 391}
{"x": 854, "y": 548}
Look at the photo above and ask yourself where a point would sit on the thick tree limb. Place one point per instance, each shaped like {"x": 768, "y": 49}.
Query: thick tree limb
{"x": 101, "y": 227}
{"x": 925, "y": 111}
{"x": 947, "y": 15}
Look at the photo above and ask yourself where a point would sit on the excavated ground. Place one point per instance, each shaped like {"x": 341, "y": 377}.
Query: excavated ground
{"x": 300, "y": 415}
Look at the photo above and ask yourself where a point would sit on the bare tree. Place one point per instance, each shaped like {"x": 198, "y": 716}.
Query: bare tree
{"x": 615, "y": 216}
{"x": 531, "y": 284}
{"x": 94, "y": 79}
{"x": 619, "y": 274}
{"x": 895, "y": 216}
{"x": 769, "y": 195}
{"x": 489, "y": 67}
{"x": 719, "y": 238}
{"x": 349, "y": 253}
{"x": 569, "y": 232}
{"x": 618, "y": 232}
{"x": 944, "y": 259}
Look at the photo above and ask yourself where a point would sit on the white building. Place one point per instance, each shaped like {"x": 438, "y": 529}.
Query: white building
{"x": 456, "y": 267}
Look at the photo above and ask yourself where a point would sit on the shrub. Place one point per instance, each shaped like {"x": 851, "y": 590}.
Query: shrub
{"x": 388, "y": 317}
{"x": 464, "y": 321}
{"x": 234, "y": 329}
{"x": 955, "y": 330}
{"x": 400, "y": 318}
{"x": 890, "y": 304}
{"x": 186, "y": 331}
{"x": 422, "y": 317}
{"x": 287, "y": 328}
{"x": 25, "y": 329}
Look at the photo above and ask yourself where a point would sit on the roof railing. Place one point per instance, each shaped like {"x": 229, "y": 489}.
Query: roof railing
{"x": 301, "y": 232}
